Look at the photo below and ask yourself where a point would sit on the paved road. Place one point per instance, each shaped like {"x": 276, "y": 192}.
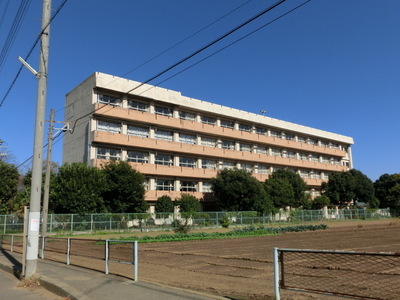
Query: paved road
{"x": 11, "y": 290}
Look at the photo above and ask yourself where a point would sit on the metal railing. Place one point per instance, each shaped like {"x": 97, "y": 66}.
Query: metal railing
{"x": 364, "y": 275}
{"x": 79, "y": 251}
{"x": 68, "y": 223}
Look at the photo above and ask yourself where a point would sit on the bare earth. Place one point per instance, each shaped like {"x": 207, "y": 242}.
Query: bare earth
{"x": 242, "y": 268}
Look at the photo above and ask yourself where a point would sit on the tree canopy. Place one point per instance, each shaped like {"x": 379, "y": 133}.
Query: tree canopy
{"x": 124, "y": 190}
{"x": 8, "y": 185}
{"x": 387, "y": 190}
{"x": 77, "y": 188}
{"x": 164, "y": 204}
{"x": 351, "y": 186}
{"x": 189, "y": 204}
{"x": 286, "y": 188}
{"x": 237, "y": 190}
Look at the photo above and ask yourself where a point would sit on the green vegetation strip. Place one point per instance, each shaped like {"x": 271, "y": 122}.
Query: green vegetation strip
{"x": 249, "y": 231}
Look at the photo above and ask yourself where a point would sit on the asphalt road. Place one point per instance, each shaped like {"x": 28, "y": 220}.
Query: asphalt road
{"x": 11, "y": 288}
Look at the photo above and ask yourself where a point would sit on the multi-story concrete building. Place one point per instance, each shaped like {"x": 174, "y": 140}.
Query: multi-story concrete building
{"x": 179, "y": 143}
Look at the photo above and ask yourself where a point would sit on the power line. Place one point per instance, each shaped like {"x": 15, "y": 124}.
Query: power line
{"x": 187, "y": 38}
{"x": 16, "y": 25}
{"x": 30, "y": 52}
{"x": 276, "y": 4}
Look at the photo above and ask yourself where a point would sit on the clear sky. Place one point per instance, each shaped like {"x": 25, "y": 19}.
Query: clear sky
{"x": 332, "y": 65}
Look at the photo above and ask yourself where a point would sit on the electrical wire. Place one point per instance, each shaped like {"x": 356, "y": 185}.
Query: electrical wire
{"x": 16, "y": 25}
{"x": 276, "y": 4}
{"x": 30, "y": 52}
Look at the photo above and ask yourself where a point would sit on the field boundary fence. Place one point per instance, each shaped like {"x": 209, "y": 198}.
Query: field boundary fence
{"x": 65, "y": 250}
{"x": 359, "y": 275}
{"x": 69, "y": 223}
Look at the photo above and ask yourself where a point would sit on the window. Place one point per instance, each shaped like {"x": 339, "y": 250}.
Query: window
{"x": 276, "y": 134}
{"x": 228, "y": 165}
{"x": 325, "y": 144}
{"x": 326, "y": 160}
{"x": 245, "y": 147}
{"x": 276, "y": 152}
{"x": 247, "y": 167}
{"x": 163, "y": 111}
{"x": 304, "y": 174}
{"x": 208, "y": 142}
{"x": 335, "y": 146}
{"x": 164, "y": 185}
{"x": 263, "y": 169}
{"x": 262, "y": 150}
{"x": 313, "y": 142}
{"x": 303, "y": 156}
{"x": 325, "y": 176}
{"x": 188, "y": 186}
{"x": 302, "y": 139}
{"x": 163, "y": 135}
{"x": 314, "y": 157}
{"x": 187, "y": 138}
{"x": 208, "y": 120}
{"x": 260, "y": 130}
{"x": 187, "y": 116}
{"x": 227, "y": 124}
{"x": 109, "y": 126}
{"x": 162, "y": 159}
{"x": 289, "y": 136}
{"x": 314, "y": 175}
{"x": 108, "y": 153}
{"x": 209, "y": 164}
{"x": 187, "y": 162}
{"x": 245, "y": 127}
{"x": 139, "y": 157}
{"x": 110, "y": 100}
{"x": 228, "y": 145}
{"x": 291, "y": 154}
{"x": 336, "y": 161}
{"x": 136, "y": 105}
{"x": 138, "y": 131}
{"x": 207, "y": 187}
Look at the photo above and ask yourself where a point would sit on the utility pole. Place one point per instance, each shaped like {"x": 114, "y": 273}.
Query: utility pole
{"x": 45, "y": 206}
{"x": 36, "y": 187}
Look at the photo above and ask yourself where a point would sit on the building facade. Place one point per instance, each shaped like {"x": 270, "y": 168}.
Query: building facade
{"x": 179, "y": 143}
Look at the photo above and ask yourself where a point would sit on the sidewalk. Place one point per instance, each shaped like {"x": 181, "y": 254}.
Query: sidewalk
{"x": 84, "y": 284}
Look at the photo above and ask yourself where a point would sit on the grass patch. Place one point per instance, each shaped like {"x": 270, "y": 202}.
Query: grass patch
{"x": 249, "y": 231}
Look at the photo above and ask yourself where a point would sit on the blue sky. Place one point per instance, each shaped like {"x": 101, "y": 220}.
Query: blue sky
{"x": 332, "y": 65}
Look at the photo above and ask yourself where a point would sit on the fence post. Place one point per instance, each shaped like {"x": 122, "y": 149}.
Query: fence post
{"x": 91, "y": 222}
{"x": 5, "y": 224}
{"x": 135, "y": 259}
{"x": 51, "y": 222}
{"x": 72, "y": 223}
{"x": 68, "y": 249}
{"x": 106, "y": 260}
{"x": 12, "y": 243}
{"x": 276, "y": 274}
{"x": 43, "y": 243}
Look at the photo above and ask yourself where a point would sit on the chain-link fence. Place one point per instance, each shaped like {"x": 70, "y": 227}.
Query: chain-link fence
{"x": 68, "y": 223}
{"x": 88, "y": 253}
{"x": 356, "y": 274}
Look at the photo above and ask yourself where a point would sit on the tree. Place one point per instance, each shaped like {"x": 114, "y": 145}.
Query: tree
{"x": 189, "y": 204}
{"x": 280, "y": 192}
{"x": 77, "y": 188}
{"x": 351, "y": 186}
{"x": 298, "y": 185}
{"x": 363, "y": 189}
{"x": 320, "y": 201}
{"x": 386, "y": 190}
{"x": 164, "y": 204}
{"x": 237, "y": 190}
{"x": 124, "y": 190}
{"x": 8, "y": 185}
